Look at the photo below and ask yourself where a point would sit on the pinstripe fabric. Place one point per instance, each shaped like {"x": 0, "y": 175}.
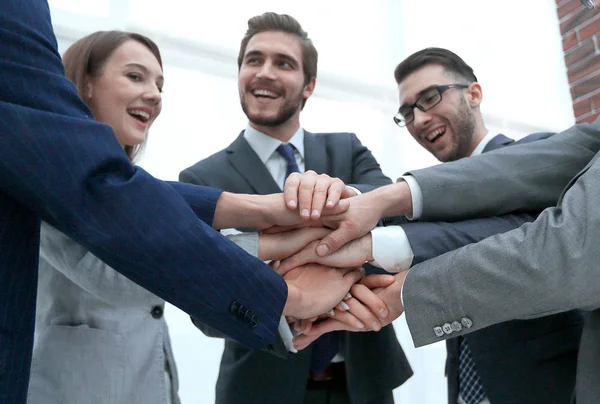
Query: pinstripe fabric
{"x": 59, "y": 164}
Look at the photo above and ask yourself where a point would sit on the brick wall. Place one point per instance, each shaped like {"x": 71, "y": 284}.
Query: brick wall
{"x": 580, "y": 30}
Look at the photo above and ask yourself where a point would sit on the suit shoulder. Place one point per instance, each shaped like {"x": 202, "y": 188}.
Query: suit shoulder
{"x": 535, "y": 136}
{"x": 214, "y": 162}
{"x": 337, "y": 136}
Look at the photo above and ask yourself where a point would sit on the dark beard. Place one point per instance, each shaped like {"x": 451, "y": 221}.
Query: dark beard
{"x": 283, "y": 115}
{"x": 464, "y": 130}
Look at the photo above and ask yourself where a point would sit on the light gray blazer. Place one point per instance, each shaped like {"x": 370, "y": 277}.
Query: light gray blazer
{"x": 99, "y": 337}
{"x": 545, "y": 267}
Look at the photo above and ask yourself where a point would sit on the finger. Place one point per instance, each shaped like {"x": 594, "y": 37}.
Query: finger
{"x": 337, "y": 238}
{"x": 303, "y": 326}
{"x": 320, "y": 195}
{"x": 352, "y": 276}
{"x": 363, "y": 314}
{"x": 302, "y": 341}
{"x": 305, "y": 193}
{"x": 310, "y": 234}
{"x": 354, "y": 322}
{"x": 372, "y": 301}
{"x": 290, "y": 190}
{"x": 341, "y": 207}
{"x": 300, "y": 258}
{"x": 336, "y": 190}
{"x": 378, "y": 281}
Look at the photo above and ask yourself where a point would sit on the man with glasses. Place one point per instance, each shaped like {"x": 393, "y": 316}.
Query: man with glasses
{"x": 440, "y": 102}
{"x": 521, "y": 361}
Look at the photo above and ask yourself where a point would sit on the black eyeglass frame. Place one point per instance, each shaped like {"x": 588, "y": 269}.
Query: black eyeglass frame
{"x": 402, "y": 122}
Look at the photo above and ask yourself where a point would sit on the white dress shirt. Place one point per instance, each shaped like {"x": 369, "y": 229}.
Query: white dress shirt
{"x": 391, "y": 248}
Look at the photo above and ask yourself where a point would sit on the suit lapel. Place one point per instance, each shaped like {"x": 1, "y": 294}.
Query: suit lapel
{"x": 497, "y": 142}
{"x": 250, "y": 167}
{"x": 315, "y": 153}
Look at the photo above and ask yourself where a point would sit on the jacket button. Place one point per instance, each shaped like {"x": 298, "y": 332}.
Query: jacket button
{"x": 438, "y": 331}
{"x": 466, "y": 321}
{"x": 247, "y": 316}
{"x": 234, "y": 307}
{"x": 253, "y": 321}
{"x": 447, "y": 328}
{"x": 157, "y": 312}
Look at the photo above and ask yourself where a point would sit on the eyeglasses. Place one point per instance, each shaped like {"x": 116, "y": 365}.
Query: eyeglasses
{"x": 589, "y": 4}
{"x": 429, "y": 99}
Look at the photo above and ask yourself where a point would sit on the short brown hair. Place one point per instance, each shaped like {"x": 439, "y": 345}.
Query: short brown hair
{"x": 450, "y": 61}
{"x": 269, "y": 22}
{"x": 87, "y": 57}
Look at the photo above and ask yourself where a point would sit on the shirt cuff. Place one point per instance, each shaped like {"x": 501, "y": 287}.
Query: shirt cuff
{"x": 416, "y": 195}
{"x": 286, "y": 335}
{"x": 391, "y": 249}
{"x": 354, "y": 189}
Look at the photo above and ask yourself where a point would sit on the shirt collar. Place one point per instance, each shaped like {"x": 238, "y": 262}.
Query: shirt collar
{"x": 486, "y": 139}
{"x": 264, "y": 145}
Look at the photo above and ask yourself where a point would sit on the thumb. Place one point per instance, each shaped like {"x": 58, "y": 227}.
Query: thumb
{"x": 335, "y": 240}
{"x": 378, "y": 281}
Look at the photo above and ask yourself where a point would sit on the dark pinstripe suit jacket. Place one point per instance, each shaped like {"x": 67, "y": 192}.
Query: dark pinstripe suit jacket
{"x": 375, "y": 361}
{"x": 521, "y": 361}
{"x": 58, "y": 164}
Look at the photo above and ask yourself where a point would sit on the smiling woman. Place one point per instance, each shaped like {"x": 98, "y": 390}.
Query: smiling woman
{"x": 119, "y": 75}
{"x": 99, "y": 336}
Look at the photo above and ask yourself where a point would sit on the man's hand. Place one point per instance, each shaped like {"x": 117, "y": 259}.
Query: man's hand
{"x": 390, "y": 295}
{"x": 363, "y": 214}
{"x": 315, "y": 289}
{"x": 352, "y": 254}
{"x": 310, "y": 193}
{"x": 279, "y": 246}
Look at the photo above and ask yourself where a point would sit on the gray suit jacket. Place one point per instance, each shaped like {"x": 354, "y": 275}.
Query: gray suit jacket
{"x": 375, "y": 361}
{"x": 542, "y": 268}
{"x": 99, "y": 337}
{"x": 523, "y": 361}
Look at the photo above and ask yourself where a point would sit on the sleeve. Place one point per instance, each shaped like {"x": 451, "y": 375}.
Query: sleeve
{"x": 525, "y": 177}
{"x": 58, "y": 162}
{"x": 431, "y": 239}
{"x": 541, "y": 268}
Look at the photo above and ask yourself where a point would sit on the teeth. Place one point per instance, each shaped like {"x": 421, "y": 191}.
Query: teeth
{"x": 435, "y": 134}
{"x": 265, "y": 93}
{"x": 142, "y": 114}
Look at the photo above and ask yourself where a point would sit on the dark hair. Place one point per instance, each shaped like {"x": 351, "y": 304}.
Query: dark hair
{"x": 450, "y": 61}
{"x": 87, "y": 57}
{"x": 269, "y": 22}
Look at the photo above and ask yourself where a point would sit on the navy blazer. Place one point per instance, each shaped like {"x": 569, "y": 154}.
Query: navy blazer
{"x": 58, "y": 164}
{"x": 521, "y": 361}
{"x": 375, "y": 362}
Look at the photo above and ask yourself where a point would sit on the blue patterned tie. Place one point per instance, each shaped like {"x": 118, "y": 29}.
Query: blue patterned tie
{"x": 469, "y": 383}
{"x": 287, "y": 151}
{"x": 327, "y": 345}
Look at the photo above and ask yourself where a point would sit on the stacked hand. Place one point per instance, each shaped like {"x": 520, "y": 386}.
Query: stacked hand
{"x": 319, "y": 234}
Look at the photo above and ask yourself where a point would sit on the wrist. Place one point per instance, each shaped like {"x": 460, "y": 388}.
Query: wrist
{"x": 367, "y": 247}
{"x": 292, "y": 303}
{"x": 238, "y": 210}
{"x": 393, "y": 200}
